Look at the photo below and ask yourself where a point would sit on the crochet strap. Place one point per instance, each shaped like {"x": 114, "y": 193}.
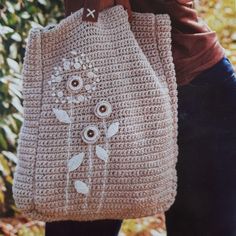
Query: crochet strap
{"x": 126, "y": 5}
{"x": 91, "y": 10}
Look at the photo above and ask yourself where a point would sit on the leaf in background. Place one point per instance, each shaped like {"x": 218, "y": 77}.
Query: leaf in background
{"x": 13, "y": 65}
{"x": 17, "y": 104}
{"x": 18, "y": 117}
{"x": 41, "y": 18}
{"x": 5, "y": 30}
{"x": 34, "y": 24}
{"x": 5, "y": 167}
{"x": 13, "y": 51}
{"x": 3, "y": 142}
{"x": 12, "y": 123}
{"x": 15, "y": 89}
{"x": 16, "y": 36}
{"x": 10, "y": 7}
{"x": 11, "y": 156}
{"x": 25, "y": 15}
{"x": 10, "y": 136}
{"x": 43, "y": 2}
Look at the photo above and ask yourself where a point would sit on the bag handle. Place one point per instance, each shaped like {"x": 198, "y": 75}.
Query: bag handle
{"x": 127, "y": 6}
{"x": 91, "y": 10}
{"x": 93, "y": 7}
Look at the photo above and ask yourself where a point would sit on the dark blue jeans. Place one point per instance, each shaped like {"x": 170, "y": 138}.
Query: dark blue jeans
{"x": 205, "y": 204}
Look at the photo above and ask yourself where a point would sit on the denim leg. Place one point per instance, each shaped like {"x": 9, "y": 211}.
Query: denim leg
{"x": 83, "y": 228}
{"x": 205, "y": 204}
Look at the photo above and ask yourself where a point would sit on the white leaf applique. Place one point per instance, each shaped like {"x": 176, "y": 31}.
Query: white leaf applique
{"x": 75, "y": 162}
{"x": 81, "y": 187}
{"x": 62, "y": 115}
{"x": 101, "y": 153}
{"x": 112, "y": 130}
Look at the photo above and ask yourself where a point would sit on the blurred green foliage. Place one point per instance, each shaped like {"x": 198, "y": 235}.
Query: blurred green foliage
{"x": 220, "y": 15}
{"x": 16, "y": 18}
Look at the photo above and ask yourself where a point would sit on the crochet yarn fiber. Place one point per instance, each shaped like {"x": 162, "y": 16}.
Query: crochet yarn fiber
{"x": 99, "y": 137}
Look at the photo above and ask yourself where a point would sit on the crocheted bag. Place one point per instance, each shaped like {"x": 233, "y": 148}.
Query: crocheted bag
{"x": 99, "y": 137}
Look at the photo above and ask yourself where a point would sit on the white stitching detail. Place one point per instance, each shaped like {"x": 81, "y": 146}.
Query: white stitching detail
{"x": 91, "y": 13}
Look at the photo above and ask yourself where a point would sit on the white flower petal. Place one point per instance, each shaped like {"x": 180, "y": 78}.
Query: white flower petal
{"x": 91, "y": 75}
{"x": 57, "y": 73}
{"x": 77, "y": 65}
{"x": 80, "y": 98}
{"x": 87, "y": 86}
{"x": 66, "y": 65}
{"x": 73, "y": 52}
{"x": 62, "y": 116}
{"x": 75, "y": 161}
{"x": 81, "y": 187}
{"x": 58, "y": 79}
{"x": 101, "y": 153}
{"x": 112, "y": 130}
{"x": 60, "y": 94}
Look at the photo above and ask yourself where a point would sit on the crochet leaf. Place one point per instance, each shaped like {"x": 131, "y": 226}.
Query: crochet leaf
{"x": 101, "y": 153}
{"x": 112, "y": 130}
{"x": 62, "y": 116}
{"x": 75, "y": 161}
{"x": 81, "y": 187}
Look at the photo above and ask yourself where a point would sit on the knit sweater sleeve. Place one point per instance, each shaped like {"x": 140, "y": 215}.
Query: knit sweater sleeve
{"x": 195, "y": 46}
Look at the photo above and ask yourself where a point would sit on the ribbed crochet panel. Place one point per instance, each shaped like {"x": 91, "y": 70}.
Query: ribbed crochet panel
{"x": 99, "y": 137}
{"x": 24, "y": 176}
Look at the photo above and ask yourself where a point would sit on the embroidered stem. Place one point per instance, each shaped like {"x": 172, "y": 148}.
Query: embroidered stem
{"x": 105, "y": 168}
{"x": 90, "y": 159}
{"x": 68, "y": 158}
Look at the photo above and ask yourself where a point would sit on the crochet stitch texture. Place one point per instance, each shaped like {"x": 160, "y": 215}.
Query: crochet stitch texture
{"x": 99, "y": 137}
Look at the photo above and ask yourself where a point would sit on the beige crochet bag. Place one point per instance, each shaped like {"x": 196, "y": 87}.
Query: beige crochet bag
{"x": 99, "y": 137}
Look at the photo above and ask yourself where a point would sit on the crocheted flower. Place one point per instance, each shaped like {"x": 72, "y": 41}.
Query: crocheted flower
{"x": 103, "y": 109}
{"x": 74, "y": 84}
{"x": 90, "y": 134}
{"x": 74, "y": 80}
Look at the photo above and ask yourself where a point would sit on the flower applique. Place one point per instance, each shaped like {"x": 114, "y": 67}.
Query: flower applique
{"x": 74, "y": 80}
{"x": 90, "y": 135}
